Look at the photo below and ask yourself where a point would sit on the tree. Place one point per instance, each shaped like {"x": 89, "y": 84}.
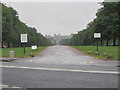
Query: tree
{"x": 106, "y": 23}
{"x": 12, "y": 27}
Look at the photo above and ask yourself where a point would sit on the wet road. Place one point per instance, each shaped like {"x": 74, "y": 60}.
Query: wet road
{"x": 64, "y": 55}
{"x": 68, "y": 55}
{"x": 61, "y": 66}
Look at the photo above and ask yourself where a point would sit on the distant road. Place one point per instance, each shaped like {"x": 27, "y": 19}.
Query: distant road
{"x": 61, "y": 67}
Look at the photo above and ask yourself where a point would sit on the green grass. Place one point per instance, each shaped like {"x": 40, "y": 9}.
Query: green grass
{"x": 19, "y": 51}
{"x": 102, "y": 49}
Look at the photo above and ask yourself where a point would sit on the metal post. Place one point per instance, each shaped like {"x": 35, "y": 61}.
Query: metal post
{"x": 97, "y": 45}
{"x": 23, "y": 45}
{"x": 24, "y": 49}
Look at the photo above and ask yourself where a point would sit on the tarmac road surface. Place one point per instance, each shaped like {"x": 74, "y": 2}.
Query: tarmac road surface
{"x": 60, "y": 67}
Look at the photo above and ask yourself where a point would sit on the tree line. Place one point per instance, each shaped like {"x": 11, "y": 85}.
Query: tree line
{"x": 107, "y": 22}
{"x": 12, "y": 27}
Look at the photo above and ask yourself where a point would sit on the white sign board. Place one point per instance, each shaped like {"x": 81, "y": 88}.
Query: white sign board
{"x": 23, "y": 38}
{"x": 97, "y": 35}
{"x": 34, "y": 47}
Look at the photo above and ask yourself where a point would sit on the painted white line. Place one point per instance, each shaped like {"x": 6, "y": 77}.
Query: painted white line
{"x": 56, "y": 69}
{"x": 91, "y": 62}
{"x": 84, "y": 62}
{"x": 8, "y": 86}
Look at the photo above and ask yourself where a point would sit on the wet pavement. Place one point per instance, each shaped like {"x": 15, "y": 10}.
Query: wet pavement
{"x": 60, "y": 67}
{"x": 66, "y": 55}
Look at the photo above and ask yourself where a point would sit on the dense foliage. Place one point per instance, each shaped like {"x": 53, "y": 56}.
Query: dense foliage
{"x": 107, "y": 23}
{"x": 12, "y": 27}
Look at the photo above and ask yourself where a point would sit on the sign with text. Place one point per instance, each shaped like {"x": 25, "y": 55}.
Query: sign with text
{"x": 97, "y": 35}
{"x": 34, "y": 47}
{"x": 23, "y": 38}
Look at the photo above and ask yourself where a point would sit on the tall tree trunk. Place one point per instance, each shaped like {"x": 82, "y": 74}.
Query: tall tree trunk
{"x": 118, "y": 42}
{"x": 94, "y": 43}
{"x": 8, "y": 45}
{"x": 114, "y": 41}
{"x": 101, "y": 42}
{"x": 107, "y": 42}
{"x": 1, "y": 44}
{"x": 13, "y": 45}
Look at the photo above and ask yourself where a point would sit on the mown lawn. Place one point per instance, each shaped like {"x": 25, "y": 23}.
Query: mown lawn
{"x": 102, "y": 49}
{"x": 19, "y": 51}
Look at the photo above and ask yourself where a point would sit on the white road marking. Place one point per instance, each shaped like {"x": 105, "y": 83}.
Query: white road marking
{"x": 84, "y": 62}
{"x": 91, "y": 62}
{"x": 8, "y": 86}
{"x": 56, "y": 69}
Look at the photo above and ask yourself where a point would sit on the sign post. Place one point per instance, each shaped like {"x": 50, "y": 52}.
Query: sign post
{"x": 23, "y": 40}
{"x": 97, "y": 36}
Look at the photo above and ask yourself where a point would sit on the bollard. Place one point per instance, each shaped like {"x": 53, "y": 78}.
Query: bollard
{"x": 110, "y": 56}
{"x": 89, "y": 52}
{"x": 97, "y": 53}
{"x": 31, "y": 55}
{"x": 11, "y": 54}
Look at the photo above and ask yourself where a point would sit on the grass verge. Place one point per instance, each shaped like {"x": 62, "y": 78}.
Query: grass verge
{"x": 19, "y": 51}
{"x": 102, "y": 49}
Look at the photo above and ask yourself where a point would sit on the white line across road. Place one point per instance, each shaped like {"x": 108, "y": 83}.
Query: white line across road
{"x": 8, "y": 86}
{"x": 56, "y": 69}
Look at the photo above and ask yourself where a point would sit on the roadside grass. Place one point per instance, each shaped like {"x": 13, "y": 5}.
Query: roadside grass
{"x": 18, "y": 52}
{"x": 102, "y": 49}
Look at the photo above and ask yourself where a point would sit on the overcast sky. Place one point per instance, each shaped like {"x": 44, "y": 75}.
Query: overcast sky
{"x": 56, "y": 17}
